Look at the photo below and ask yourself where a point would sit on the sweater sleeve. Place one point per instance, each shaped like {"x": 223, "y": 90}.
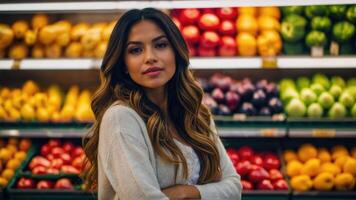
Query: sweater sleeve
{"x": 229, "y": 187}
{"x": 124, "y": 155}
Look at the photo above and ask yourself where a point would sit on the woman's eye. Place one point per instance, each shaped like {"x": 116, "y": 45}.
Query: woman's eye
{"x": 161, "y": 45}
{"x": 135, "y": 50}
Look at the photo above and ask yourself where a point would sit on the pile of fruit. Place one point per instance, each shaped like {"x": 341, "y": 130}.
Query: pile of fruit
{"x": 226, "y": 96}
{"x": 319, "y": 96}
{"x": 258, "y": 170}
{"x": 326, "y": 24}
{"x": 12, "y": 154}
{"x": 39, "y": 39}
{"x": 29, "y": 103}
{"x": 58, "y": 158}
{"x": 29, "y": 183}
{"x": 320, "y": 169}
{"x": 243, "y": 31}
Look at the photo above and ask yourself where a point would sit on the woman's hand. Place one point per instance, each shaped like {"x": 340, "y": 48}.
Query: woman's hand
{"x": 177, "y": 192}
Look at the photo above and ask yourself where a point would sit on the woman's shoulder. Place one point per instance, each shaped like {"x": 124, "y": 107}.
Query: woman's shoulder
{"x": 120, "y": 110}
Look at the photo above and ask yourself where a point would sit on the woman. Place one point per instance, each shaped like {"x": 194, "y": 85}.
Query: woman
{"x": 153, "y": 138}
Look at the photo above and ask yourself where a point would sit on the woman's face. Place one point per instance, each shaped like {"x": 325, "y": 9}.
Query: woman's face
{"x": 149, "y": 57}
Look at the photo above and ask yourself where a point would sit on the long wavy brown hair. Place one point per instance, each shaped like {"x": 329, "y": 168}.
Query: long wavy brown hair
{"x": 192, "y": 122}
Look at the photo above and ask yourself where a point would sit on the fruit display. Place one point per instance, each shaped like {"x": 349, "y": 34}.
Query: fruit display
{"x": 323, "y": 169}
{"x": 30, "y": 103}
{"x": 258, "y": 170}
{"x": 38, "y": 38}
{"x": 318, "y": 26}
{"x": 12, "y": 153}
{"x": 242, "y": 31}
{"x": 226, "y": 96}
{"x": 57, "y": 158}
{"x": 320, "y": 96}
{"x": 60, "y": 184}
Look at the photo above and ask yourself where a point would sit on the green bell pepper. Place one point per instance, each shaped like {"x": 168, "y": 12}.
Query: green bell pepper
{"x": 287, "y": 10}
{"x": 337, "y": 12}
{"x": 321, "y": 23}
{"x": 343, "y": 31}
{"x": 351, "y": 14}
{"x": 316, "y": 10}
{"x": 315, "y": 39}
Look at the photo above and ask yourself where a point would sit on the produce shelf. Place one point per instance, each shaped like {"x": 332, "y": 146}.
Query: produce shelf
{"x": 265, "y": 195}
{"x": 321, "y": 128}
{"x": 321, "y": 195}
{"x": 124, "y": 5}
{"x": 283, "y": 62}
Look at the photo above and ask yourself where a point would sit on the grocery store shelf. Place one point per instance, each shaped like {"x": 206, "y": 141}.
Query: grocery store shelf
{"x": 124, "y": 5}
{"x": 252, "y": 132}
{"x": 283, "y": 62}
{"x": 44, "y": 133}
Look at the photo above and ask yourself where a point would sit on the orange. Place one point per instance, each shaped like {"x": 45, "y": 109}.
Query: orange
{"x": 270, "y": 11}
{"x": 5, "y": 154}
{"x": 247, "y": 11}
{"x": 247, "y": 23}
{"x": 306, "y": 152}
{"x": 324, "y": 155}
{"x": 13, "y": 164}
{"x": 20, "y": 155}
{"x": 7, "y": 174}
{"x": 39, "y": 21}
{"x": 246, "y": 44}
{"x": 25, "y": 144}
{"x": 3, "y": 182}
{"x": 289, "y": 155}
{"x": 19, "y": 28}
{"x": 340, "y": 161}
{"x": 266, "y": 22}
{"x": 7, "y": 36}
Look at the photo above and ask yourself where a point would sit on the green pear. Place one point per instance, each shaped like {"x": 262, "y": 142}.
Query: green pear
{"x": 303, "y": 82}
{"x": 353, "y": 110}
{"x": 351, "y": 82}
{"x": 347, "y": 99}
{"x": 336, "y": 91}
{"x": 322, "y": 79}
{"x": 317, "y": 88}
{"x": 315, "y": 110}
{"x": 326, "y": 100}
{"x": 337, "y": 80}
{"x": 289, "y": 94}
{"x": 296, "y": 108}
{"x": 352, "y": 91}
{"x": 337, "y": 110}
{"x": 308, "y": 96}
{"x": 286, "y": 83}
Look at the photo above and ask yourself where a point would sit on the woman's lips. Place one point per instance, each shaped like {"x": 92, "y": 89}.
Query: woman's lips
{"x": 153, "y": 71}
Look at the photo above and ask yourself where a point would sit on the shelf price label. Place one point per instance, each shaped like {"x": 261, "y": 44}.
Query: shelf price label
{"x": 323, "y": 132}
{"x": 269, "y": 132}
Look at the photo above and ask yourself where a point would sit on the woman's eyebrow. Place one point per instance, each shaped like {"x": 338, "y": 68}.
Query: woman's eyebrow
{"x": 139, "y": 42}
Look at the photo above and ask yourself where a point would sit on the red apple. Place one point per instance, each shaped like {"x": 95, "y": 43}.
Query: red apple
{"x": 26, "y": 183}
{"x": 77, "y": 151}
{"x": 245, "y": 153}
{"x": 265, "y": 185}
{"x": 227, "y": 13}
{"x": 192, "y": 50}
{"x": 209, "y": 39}
{"x": 44, "y": 184}
{"x": 233, "y": 155}
{"x": 52, "y": 171}
{"x": 78, "y": 162}
{"x": 63, "y": 183}
{"x": 206, "y": 52}
{"x": 57, "y": 152}
{"x": 57, "y": 163}
{"x": 54, "y": 143}
{"x": 45, "y": 149}
{"x": 257, "y": 160}
{"x": 39, "y": 170}
{"x": 258, "y": 175}
{"x": 227, "y": 28}
{"x": 208, "y": 10}
{"x": 191, "y": 34}
{"x": 176, "y": 12}
{"x": 68, "y": 147}
{"x": 227, "y": 46}
{"x": 50, "y": 157}
{"x": 68, "y": 169}
{"x": 209, "y": 22}
{"x": 275, "y": 174}
{"x": 189, "y": 16}
{"x": 246, "y": 185}
{"x": 280, "y": 185}
{"x": 39, "y": 161}
{"x": 177, "y": 23}
{"x": 243, "y": 168}
{"x": 271, "y": 162}
{"x": 66, "y": 158}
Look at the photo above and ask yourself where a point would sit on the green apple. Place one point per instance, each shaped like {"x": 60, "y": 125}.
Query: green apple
{"x": 289, "y": 94}
{"x": 326, "y": 100}
{"x": 337, "y": 80}
{"x": 337, "y": 110}
{"x": 317, "y": 88}
{"x": 347, "y": 99}
{"x": 303, "y": 82}
{"x": 322, "y": 79}
{"x": 315, "y": 110}
{"x": 352, "y": 90}
{"x": 353, "y": 110}
{"x": 286, "y": 83}
{"x": 335, "y": 90}
{"x": 308, "y": 96}
{"x": 351, "y": 82}
{"x": 296, "y": 108}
